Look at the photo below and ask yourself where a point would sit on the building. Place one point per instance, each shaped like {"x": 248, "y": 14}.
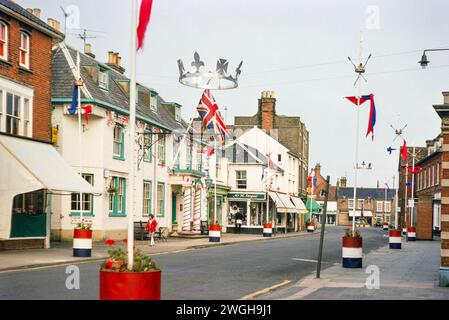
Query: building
{"x": 254, "y": 187}
{"x": 288, "y": 130}
{"x": 376, "y": 204}
{"x": 319, "y": 191}
{"x": 170, "y": 177}
{"x": 427, "y": 218}
{"x": 31, "y": 170}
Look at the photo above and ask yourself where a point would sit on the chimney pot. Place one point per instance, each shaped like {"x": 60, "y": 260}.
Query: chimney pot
{"x": 37, "y": 12}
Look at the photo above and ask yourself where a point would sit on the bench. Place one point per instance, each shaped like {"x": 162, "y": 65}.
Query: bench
{"x": 204, "y": 227}
{"x": 139, "y": 231}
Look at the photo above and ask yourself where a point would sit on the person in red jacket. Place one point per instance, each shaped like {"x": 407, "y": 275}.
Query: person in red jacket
{"x": 151, "y": 227}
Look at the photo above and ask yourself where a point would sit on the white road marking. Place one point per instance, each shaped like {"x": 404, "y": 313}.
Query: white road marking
{"x": 266, "y": 290}
{"x": 305, "y": 260}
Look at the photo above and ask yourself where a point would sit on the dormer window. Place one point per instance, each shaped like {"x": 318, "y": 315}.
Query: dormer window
{"x": 153, "y": 102}
{"x": 24, "y": 50}
{"x": 103, "y": 78}
{"x": 3, "y": 41}
{"x": 178, "y": 114}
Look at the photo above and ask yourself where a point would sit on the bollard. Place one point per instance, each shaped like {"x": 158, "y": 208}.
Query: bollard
{"x": 267, "y": 230}
{"x": 411, "y": 233}
{"x": 395, "y": 239}
{"x": 214, "y": 233}
{"x": 82, "y": 243}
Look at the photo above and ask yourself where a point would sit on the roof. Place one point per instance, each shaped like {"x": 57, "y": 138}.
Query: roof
{"x": 365, "y": 193}
{"x": 115, "y": 96}
{"x": 29, "y": 16}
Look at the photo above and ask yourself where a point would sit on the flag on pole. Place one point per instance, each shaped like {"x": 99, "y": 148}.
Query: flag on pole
{"x": 404, "y": 151}
{"x": 74, "y": 105}
{"x": 211, "y": 116}
{"x": 372, "y": 113}
{"x": 390, "y": 150}
{"x": 87, "y": 110}
{"x": 410, "y": 183}
{"x": 144, "y": 20}
{"x": 416, "y": 170}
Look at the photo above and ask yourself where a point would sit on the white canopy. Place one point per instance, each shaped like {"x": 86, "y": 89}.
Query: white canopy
{"x": 299, "y": 204}
{"x": 283, "y": 202}
{"x": 27, "y": 165}
{"x": 366, "y": 213}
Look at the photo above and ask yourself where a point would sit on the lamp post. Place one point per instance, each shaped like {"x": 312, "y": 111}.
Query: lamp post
{"x": 424, "y": 61}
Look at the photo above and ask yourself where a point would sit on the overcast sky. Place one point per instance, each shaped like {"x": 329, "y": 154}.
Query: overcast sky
{"x": 298, "y": 49}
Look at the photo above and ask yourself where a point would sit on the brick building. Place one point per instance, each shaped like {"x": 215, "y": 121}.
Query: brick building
{"x": 30, "y": 168}
{"x": 319, "y": 190}
{"x": 428, "y": 191}
{"x": 288, "y": 130}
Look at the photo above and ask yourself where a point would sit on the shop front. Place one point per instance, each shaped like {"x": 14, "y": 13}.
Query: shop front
{"x": 252, "y": 206}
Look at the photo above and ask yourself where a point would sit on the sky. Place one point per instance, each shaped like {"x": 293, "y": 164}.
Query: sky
{"x": 299, "y": 50}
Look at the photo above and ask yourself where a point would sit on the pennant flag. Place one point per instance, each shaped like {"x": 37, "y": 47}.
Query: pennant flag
{"x": 144, "y": 20}
{"x": 390, "y": 150}
{"x": 314, "y": 182}
{"x": 417, "y": 169}
{"x": 87, "y": 110}
{"x": 354, "y": 100}
{"x": 74, "y": 105}
{"x": 372, "y": 114}
{"x": 209, "y": 151}
{"x": 211, "y": 116}
{"x": 404, "y": 151}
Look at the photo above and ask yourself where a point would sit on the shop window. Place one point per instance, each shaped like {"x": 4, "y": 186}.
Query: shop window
{"x": 31, "y": 203}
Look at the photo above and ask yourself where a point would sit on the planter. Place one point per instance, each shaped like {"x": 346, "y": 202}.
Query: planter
{"x": 395, "y": 239}
{"x": 352, "y": 252}
{"x": 130, "y": 285}
{"x": 385, "y": 227}
{"x": 82, "y": 243}
{"x": 267, "y": 230}
{"x": 214, "y": 233}
{"x": 310, "y": 227}
{"x": 411, "y": 234}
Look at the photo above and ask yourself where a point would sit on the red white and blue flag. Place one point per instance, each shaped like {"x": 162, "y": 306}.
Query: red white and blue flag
{"x": 372, "y": 113}
{"x": 144, "y": 20}
{"x": 211, "y": 116}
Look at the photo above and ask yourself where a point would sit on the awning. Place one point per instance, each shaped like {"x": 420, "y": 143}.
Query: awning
{"x": 283, "y": 202}
{"x": 27, "y": 165}
{"x": 366, "y": 213}
{"x": 299, "y": 204}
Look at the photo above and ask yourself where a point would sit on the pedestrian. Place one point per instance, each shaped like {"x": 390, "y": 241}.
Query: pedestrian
{"x": 238, "y": 221}
{"x": 151, "y": 228}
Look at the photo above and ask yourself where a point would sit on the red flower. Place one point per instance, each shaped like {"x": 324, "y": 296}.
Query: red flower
{"x": 125, "y": 240}
{"x": 108, "y": 264}
{"x": 109, "y": 242}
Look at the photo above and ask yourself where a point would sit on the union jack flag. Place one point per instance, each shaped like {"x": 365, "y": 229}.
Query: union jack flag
{"x": 211, "y": 116}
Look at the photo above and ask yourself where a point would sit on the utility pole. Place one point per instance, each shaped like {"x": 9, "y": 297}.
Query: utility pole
{"x": 323, "y": 224}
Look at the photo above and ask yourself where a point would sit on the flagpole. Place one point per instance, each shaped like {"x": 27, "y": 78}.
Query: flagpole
{"x": 413, "y": 186}
{"x": 132, "y": 129}
{"x": 395, "y": 202}
{"x": 80, "y": 139}
{"x": 405, "y": 200}
{"x": 215, "y": 182}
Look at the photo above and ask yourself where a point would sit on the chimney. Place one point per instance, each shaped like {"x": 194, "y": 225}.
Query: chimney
{"x": 54, "y": 24}
{"x": 114, "y": 61}
{"x": 88, "y": 50}
{"x": 30, "y": 10}
{"x": 37, "y": 12}
{"x": 267, "y": 110}
{"x": 343, "y": 182}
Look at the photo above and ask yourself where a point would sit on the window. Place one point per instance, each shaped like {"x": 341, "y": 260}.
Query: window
{"x": 178, "y": 114}
{"x": 351, "y": 203}
{"x": 29, "y": 203}
{"x": 24, "y": 50}
{"x": 86, "y": 205}
{"x": 279, "y": 157}
{"x": 148, "y": 138}
{"x": 103, "y": 78}
{"x": 438, "y": 171}
{"x": 153, "y": 102}
{"x": 12, "y": 114}
{"x": 1, "y": 110}
{"x": 146, "y": 198}
{"x": 387, "y": 206}
{"x": 360, "y": 203}
{"x": 240, "y": 179}
{"x": 379, "y": 206}
{"x": 160, "y": 199}
{"x": 26, "y": 117}
{"x": 161, "y": 149}
{"x": 117, "y": 197}
{"x": 118, "y": 147}
{"x": 3, "y": 41}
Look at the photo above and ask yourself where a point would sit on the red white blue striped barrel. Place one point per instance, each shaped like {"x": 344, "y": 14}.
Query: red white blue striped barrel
{"x": 385, "y": 227}
{"x": 411, "y": 234}
{"x": 404, "y": 231}
{"x": 310, "y": 227}
{"x": 395, "y": 239}
{"x": 267, "y": 230}
{"x": 352, "y": 252}
{"x": 82, "y": 243}
{"x": 214, "y": 233}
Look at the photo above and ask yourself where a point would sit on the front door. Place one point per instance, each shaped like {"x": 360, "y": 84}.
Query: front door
{"x": 28, "y": 215}
{"x": 173, "y": 207}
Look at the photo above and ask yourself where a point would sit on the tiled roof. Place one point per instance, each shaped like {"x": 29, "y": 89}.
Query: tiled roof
{"x": 23, "y": 12}
{"x": 365, "y": 193}
{"x": 62, "y": 88}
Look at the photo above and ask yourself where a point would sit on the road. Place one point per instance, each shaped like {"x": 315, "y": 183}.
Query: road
{"x": 224, "y": 272}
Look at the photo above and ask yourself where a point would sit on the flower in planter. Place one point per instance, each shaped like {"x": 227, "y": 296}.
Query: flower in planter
{"x": 118, "y": 261}
{"x": 84, "y": 225}
{"x": 350, "y": 234}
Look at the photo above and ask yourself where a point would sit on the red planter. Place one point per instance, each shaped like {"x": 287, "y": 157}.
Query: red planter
{"x": 395, "y": 233}
{"x": 350, "y": 242}
{"x": 83, "y": 234}
{"x": 130, "y": 285}
{"x": 214, "y": 227}
{"x": 268, "y": 225}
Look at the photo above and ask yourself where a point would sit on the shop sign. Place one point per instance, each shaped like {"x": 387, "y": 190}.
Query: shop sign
{"x": 246, "y": 196}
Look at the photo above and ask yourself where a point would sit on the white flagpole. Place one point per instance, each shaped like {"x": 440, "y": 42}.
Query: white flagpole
{"x": 80, "y": 140}
{"x": 132, "y": 130}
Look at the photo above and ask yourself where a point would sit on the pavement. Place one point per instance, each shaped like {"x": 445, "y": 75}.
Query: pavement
{"x": 410, "y": 273}
{"x": 61, "y": 253}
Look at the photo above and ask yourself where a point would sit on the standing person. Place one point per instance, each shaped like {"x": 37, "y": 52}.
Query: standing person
{"x": 151, "y": 227}
{"x": 238, "y": 221}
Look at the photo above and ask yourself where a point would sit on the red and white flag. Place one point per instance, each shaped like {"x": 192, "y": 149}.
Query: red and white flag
{"x": 144, "y": 20}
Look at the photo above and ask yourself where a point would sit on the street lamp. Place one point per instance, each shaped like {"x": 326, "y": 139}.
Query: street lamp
{"x": 424, "y": 61}
{"x": 364, "y": 166}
